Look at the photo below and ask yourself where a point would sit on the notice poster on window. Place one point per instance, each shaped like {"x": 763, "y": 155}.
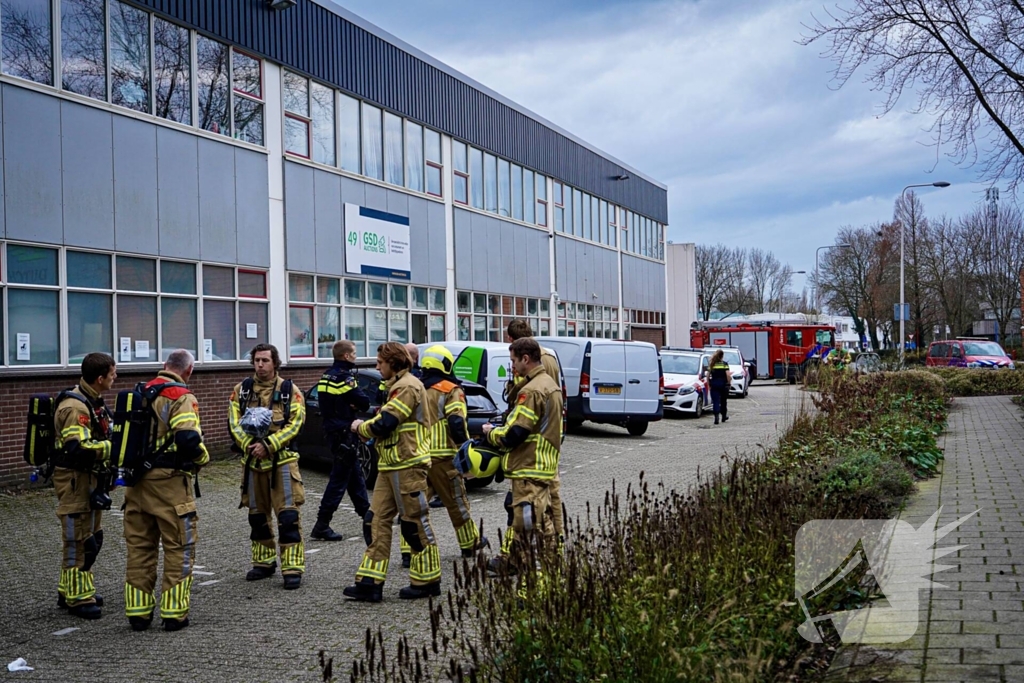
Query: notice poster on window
{"x": 142, "y": 348}
{"x": 376, "y": 243}
{"x": 24, "y": 346}
{"x": 251, "y": 330}
{"x": 126, "y": 349}
{"x": 207, "y": 350}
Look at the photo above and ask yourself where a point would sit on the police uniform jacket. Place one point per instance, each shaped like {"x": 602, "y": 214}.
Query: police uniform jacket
{"x": 268, "y": 395}
{"x": 445, "y": 410}
{"x": 177, "y": 413}
{"x": 83, "y": 431}
{"x": 533, "y": 433}
{"x": 400, "y": 431}
{"x": 720, "y": 375}
{"x": 340, "y": 399}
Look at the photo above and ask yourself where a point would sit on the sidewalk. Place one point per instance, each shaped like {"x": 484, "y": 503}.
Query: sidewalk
{"x": 972, "y": 630}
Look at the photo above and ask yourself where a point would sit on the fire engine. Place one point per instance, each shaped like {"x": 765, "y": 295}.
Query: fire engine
{"x": 776, "y": 349}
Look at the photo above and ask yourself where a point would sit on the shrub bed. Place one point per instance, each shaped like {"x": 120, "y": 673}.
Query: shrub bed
{"x": 657, "y": 585}
{"x": 981, "y": 381}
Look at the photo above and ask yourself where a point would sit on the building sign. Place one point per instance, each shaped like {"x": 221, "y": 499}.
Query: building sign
{"x": 376, "y": 243}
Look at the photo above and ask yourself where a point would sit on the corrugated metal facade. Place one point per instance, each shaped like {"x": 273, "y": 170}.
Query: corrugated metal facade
{"x": 314, "y": 40}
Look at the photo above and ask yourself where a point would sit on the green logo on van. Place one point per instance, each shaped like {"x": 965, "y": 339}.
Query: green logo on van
{"x": 467, "y": 365}
{"x": 502, "y": 373}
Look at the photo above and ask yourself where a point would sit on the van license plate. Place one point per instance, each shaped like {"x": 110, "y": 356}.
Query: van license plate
{"x": 609, "y": 390}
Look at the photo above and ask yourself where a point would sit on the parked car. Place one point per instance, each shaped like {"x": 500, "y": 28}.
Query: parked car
{"x": 739, "y": 371}
{"x": 686, "y": 387}
{"x": 314, "y": 447}
{"x": 967, "y": 353}
{"x": 610, "y": 381}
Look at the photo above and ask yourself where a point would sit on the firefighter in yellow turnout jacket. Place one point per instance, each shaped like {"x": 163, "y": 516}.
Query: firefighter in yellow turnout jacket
{"x": 271, "y": 480}
{"x": 445, "y": 410}
{"x": 532, "y": 439}
{"x": 159, "y": 507}
{"x": 82, "y": 429}
{"x": 401, "y": 436}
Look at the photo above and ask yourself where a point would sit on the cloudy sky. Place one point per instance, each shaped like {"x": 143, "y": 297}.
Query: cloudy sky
{"x": 713, "y": 98}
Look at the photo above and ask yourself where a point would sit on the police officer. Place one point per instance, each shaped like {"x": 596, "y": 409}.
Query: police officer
{"x": 271, "y": 480}
{"x": 401, "y": 434}
{"x": 340, "y": 400}
{"x": 720, "y": 385}
{"x": 445, "y": 409}
{"x": 82, "y": 428}
{"x": 159, "y": 507}
{"x": 532, "y": 439}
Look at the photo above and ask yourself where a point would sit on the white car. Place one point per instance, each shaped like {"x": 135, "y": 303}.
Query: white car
{"x": 686, "y": 388}
{"x": 739, "y": 373}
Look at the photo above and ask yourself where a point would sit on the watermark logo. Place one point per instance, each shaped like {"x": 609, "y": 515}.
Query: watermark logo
{"x": 887, "y": 560}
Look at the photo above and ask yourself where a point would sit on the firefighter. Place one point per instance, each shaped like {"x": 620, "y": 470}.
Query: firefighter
{"x": 720, "y": 385}
{"x": 402, "y": 437}
{"x": 159, "y": 507}
{"x": 271, "y": 480}
{"x": 445, "y": 408}
{"x": 532, "y": 439}
{"x": 340, "y": 400}
{"x": 82, "y": 429}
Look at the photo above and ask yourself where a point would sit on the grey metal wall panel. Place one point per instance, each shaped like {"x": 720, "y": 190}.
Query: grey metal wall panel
{"x": 398, "y": 203}
{"x": 526, "y": 280}
{"x": 438, "y": 276}
{"x": 88, "y": 176}
{"x": 312, "y": 39}
{"x": 481, "y": 271}
{"x": 419, "y": 248}
{"x": 543, "y": 257}
{"x": 136, "y": 214}
{"x": 506, "y": 260}
{"x": 217, "y": 240}
{"x": 252, "y": 208}
{"x": 299, "y": 223}
{"x": 560, "y": 282}
{"x": 353, "y": 192}
{"x": 178, "y": 182}
{"x": 463, "y": 249}
{"x": 330, "y": 235}
{"x": 643, "y": 284}
{"x": 658, "y": 286}
{"x": 376, "y": 197}
{"x": 32, "y": 163}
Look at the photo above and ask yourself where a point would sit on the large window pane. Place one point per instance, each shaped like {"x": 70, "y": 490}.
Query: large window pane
{"x": 296, "y": 136}
{"x": 248, "y": 120}
{"x": 373, "y": 165}
{"x": 219, "y": 328}
{"x": 328, "y": 290}
{"x": 177, "y": 278}
{"x": 252, "y": 283}
{"x": 376, "y": 330}
{"x": 399, "y": 296}
{"x": 437, "y": 299}
{"x": 31, "y": 265}
{"x": 295, "y": 93}
{"x": 86, "y": 269}
{"x": 35, "y": 314}
{"x": 394, "y": 158}
{"x": 348, "y": 116}
{"x": 463, "y": 331}
{"x": 504, "y": 191}
{"x": 490, "y": 183}
{"x": 419, "y": 298}
{"x": 178, "y": 326}
{"x": 517, "y": 192}
{"x": 136, "y": 321}
{"x": 419, "y": 329}
{"x": 136, "y": 274}
{"x": 27, "y": 31}
{"x": 529, "y": 205}
{"x": 247, "y": 74}
{"x": 437, "y": 328}
{"x": 459, "y": 161}
{"x": 173, "y": 74}
{"x": 218, "y": 281}
{"x": 414, "y": 156}
{"x": 83, "y": 47}
{"x": 90, "y": 325}
{"x": 588, "y": 231}
{"x": 432, "y": 153}
{"x": 399, "y": 326}
{"x": 300, "y": 287}
{"x": 300, "y": 331}
{"x": 476, "y": 177}
{"x": 323, "y": 125}
{"x": 129, "y": 56}
{"x": 355, "y": 329}
{"x": 212, "y": 85}
{"x": 252, "y": 318}
{"x": 577, "y": 213}
{"x": 355, "y": 292}
{"x": 328, "y": 324}
{"x": 377, "y": 294}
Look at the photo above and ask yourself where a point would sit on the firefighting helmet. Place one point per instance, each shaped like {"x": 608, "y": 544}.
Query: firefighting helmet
{"x": 476, "y": 460}
{"x": 438, "y": 357}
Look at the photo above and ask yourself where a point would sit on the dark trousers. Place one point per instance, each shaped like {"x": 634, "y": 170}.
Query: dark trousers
{"x": 346, "y": 474}
{"x": 720, "y": 400}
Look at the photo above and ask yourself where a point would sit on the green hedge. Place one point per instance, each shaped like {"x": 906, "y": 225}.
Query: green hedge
{"x": 981, "y": 381}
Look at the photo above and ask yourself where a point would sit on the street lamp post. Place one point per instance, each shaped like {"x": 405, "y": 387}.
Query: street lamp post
{"x": 817, "y": 285}
{"x": 903, "y": 322}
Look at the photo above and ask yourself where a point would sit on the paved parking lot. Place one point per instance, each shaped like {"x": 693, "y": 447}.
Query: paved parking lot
{"x": 258, "y": 632}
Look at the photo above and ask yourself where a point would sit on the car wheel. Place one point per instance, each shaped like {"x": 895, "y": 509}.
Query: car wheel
{"x": 636, "y": 428}
{"x": 700, "y": 406}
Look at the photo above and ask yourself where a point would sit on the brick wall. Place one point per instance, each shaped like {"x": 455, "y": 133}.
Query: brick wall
{"x": 212, "y": 389}
{"x": 654, "y": 335}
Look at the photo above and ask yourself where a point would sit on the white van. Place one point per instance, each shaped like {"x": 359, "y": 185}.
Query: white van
{"x": 609, "y": 381}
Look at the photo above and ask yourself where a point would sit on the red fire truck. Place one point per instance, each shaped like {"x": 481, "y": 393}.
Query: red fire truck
{"x": 776, "y": 349}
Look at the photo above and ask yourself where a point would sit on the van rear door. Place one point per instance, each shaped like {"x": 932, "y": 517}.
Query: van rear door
{"x": 607, "y": 377}
{"x": 642, "y": 379}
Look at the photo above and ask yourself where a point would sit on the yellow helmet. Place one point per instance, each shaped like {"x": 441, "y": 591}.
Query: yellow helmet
{"x": 475, "y": 460}
{"x": 437, "y": 357}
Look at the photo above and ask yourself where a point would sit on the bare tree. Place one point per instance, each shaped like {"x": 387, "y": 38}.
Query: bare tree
{"x": 999, "y": 231}
{"x": 909, "y": 213}
{"x": 717, "y": 276}
{"x": 948, "y": 265}
{"x": 764, "y": 270}
{"x": 961, "y": 58}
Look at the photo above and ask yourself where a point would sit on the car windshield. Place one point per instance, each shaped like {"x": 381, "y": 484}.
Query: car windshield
{"x": 480, "y": 403}
{"x": 680, "y": 365}
{"x": 731, "y": 356}
{"x": 983, "y": 349}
